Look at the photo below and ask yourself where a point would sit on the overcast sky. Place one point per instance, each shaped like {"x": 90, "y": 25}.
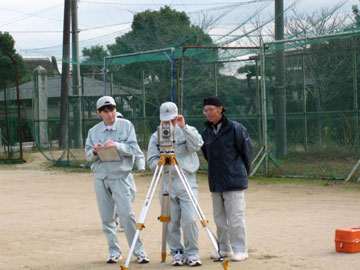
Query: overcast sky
{"x": 36, "y": 25}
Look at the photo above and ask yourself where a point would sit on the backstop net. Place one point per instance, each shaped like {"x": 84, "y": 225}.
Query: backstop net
{"x": 298, "y": 98}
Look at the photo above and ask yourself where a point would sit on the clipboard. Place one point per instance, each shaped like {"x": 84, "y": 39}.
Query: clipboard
{"x": 110, "y": 154}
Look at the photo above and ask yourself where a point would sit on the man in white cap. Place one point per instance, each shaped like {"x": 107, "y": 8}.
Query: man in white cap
{"x": 112, "y": 192}
{"x": 182, "y": 213}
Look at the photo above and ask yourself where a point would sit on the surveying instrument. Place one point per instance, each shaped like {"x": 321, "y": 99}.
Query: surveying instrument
{"x": 165, "y": 134}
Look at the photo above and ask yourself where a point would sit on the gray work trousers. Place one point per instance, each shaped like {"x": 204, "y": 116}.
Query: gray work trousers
{"x": 229, "y": 216}
{"x": 182, "y": 216}
{"x": 114, "y": 195}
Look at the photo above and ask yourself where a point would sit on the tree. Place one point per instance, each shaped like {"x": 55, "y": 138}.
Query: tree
{"x": 94, "y": 58}
{"x": 151, "y": 30}
{"x": 356, "y": 14}
{"x": 327, "y": 65}
{"x": 7, "y": 69}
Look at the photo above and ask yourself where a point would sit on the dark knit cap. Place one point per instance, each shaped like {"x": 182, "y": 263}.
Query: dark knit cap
{"x": 215, "y": 101}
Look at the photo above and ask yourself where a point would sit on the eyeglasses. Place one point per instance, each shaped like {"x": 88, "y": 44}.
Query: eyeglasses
{"x": 210, "y": 110}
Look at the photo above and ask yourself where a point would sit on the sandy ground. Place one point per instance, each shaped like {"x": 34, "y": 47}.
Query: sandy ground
{"x": 49, "y": 220}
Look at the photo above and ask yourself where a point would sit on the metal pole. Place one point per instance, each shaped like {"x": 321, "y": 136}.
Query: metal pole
{"x": 144, "y": 107}
{"x": 172, "y": 74}
{"x": 104, "y": 76}
{"x": 6, "y": 120}
{"x": 78, "y": 138}
{"x": 65, "y": 78}
{"x": 280, "y": 96}
{"x": 304, "y": 104}
{"x": 111, "y": 84}
{"x": 177, "y": 83}
{"x": 182, "y": 81}
{"x": 137, "y": 53}
{"x": 17, "y": 100}
{"x": 264, "y": 110}
{"x": 356, "y": 107}
{"x": 216, "y": 82}
{"x": 258, "y": 100}
{"x": 347, "y": 33}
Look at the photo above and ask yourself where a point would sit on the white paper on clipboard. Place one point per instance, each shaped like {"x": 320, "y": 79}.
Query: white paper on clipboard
{"x": 109, "y": 154}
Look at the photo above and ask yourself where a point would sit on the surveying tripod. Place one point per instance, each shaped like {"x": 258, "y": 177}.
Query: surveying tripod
{"x": 169, "y": 159}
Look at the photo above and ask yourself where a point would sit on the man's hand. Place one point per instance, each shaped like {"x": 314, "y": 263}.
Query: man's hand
{"x": 96, "y": 148}
{"x": 180, "y": 120}
{"x": 108, "y": 144}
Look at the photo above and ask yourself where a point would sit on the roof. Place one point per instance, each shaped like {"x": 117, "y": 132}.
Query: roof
{"x": 48, "y": 63}
{"x": 92, "y": 87}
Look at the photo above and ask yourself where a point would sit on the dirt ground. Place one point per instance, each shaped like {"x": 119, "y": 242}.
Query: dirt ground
{"x": 49, "y": 220}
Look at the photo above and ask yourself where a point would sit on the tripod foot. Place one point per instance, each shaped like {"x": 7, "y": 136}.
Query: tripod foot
{"x": 122, "y": 267}
{"x": 225, "y": 265}
{"x": 163, "y": 257}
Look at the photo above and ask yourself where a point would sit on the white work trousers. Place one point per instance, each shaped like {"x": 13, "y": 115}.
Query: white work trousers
{"x": 229, "y": 216}
{"x": 111, "y": 193}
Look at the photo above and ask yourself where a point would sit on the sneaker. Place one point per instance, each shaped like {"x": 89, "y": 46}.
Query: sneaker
{"x": 142, "y": 258}
{"x": 215, "y": 255}
{"x": 121, "y": 229}
{"x": 239, "y": 256}
{"x": 114, "y": 258}
{"x": 178, "y": 259}
{"x": 193, "y": 260}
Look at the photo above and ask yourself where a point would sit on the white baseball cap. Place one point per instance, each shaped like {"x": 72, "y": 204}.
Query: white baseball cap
{"x": 105, "y": 100}
{"x": 119, "y": 115}
{"x": 168, "y": 111}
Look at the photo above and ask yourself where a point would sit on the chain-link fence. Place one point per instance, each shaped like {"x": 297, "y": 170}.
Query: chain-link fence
{"x": 320, "y": 87}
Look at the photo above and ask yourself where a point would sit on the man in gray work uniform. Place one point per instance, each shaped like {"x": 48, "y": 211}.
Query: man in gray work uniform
{"x": 182, "y": 213}
{"x": 110, "y": 177}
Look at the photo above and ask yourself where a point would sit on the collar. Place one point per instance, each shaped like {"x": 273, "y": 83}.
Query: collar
{"x": 105, "y": 128}
{"x": 224, "y": 120}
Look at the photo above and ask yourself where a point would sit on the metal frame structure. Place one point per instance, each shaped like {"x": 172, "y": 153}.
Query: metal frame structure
{"x": 264, "y": 46}
{"x": 21, "y": 159}
{"x": 171, "y": 59}
{"x": 264, "y": 148}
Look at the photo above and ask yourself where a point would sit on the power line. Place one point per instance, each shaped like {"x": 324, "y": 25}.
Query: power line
{"x": 28, "y": 15}
{"x": 38, "y": 32}
{"x": 172, "y": 4}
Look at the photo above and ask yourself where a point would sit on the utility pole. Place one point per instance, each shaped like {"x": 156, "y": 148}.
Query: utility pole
{"x": 63, "y": 140}
{"x": 78, "y": 138}
{"x": 280, "y": 93}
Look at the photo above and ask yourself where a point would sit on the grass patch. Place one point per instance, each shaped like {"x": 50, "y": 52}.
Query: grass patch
{"x": 350, "y": 185}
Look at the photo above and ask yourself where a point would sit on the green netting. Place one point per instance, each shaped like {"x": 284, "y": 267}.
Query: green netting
{"x": 321, "y": 81}
{"x": 321, "y": 86}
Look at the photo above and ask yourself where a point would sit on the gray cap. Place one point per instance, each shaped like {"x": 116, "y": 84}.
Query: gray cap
{"x": 119, "y": 115}
{"x": 105, "y": 100}
{"x": 168, "y": 111}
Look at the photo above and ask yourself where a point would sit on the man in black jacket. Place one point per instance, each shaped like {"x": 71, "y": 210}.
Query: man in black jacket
{"x": 228, "y": 150}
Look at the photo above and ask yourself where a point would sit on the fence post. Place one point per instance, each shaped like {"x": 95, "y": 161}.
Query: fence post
{"x": 40, "y": 99}
{"x": 356, "y": 107}
{"x": 304, "y": 105}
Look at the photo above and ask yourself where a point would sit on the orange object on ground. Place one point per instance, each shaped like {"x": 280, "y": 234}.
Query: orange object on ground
{"x": 347, "y": 240}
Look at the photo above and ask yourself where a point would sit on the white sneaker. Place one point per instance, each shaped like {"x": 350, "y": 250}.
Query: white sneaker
{"x": 193, "y": 260}
{"x": 142, "y": 258}
{"x": 239, "y": 256}
{"x": 114, "y": 258}
{"x": 215, "y": 255}
{"x": 178, "y": 259}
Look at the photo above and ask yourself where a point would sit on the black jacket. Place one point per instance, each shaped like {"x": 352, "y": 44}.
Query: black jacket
{"x": 229, "y": 155}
